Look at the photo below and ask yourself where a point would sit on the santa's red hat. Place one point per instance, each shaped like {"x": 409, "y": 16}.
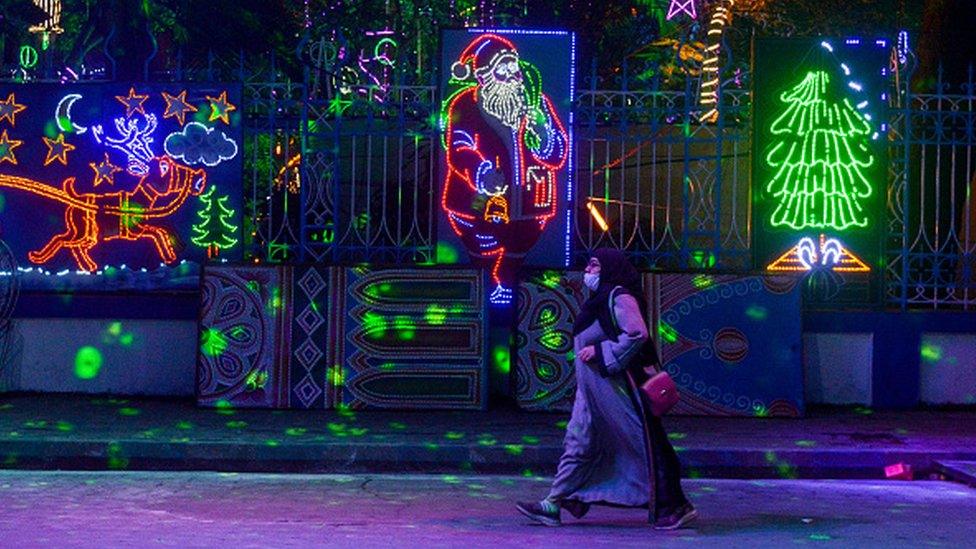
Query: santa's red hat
{"x": 481, "y": 54}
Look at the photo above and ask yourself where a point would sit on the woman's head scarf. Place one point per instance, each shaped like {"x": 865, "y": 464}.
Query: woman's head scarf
{"x": 615, "y": 270}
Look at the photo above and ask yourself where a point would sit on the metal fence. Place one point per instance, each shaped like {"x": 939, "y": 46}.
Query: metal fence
{"x": 931, "y": 247}
{"x": 334, "y": 174}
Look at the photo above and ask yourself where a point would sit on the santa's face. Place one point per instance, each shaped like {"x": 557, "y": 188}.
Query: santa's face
{"x": 502, "y": 90}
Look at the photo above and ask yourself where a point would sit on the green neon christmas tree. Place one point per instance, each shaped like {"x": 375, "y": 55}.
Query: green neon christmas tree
{"x": 820, "y": 158}
{"x": 213, "y": 232}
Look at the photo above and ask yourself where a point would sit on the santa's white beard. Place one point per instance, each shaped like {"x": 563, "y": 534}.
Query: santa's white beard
{"x": 504, "y": 100}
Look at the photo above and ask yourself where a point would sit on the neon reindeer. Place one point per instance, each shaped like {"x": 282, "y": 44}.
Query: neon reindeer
{"x": 92, "y": 218}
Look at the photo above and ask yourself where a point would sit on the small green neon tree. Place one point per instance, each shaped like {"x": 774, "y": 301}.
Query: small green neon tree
{"x": 213, "y": 232}
{"x": 819, "y": 160}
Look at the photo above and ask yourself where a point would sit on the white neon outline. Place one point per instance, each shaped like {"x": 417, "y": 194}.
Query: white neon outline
{"x": 208, "y": 131}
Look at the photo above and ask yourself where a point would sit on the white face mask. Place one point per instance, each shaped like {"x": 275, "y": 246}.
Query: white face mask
{"x": 591, "y": 280}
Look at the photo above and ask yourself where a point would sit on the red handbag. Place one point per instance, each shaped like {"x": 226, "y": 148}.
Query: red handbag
{"x": 662, "y": 392}
{"x": 659, "y": 388}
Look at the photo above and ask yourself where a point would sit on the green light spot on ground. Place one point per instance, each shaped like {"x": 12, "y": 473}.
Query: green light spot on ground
{"x": 487, "y": 440}
{"x": 336, "y": 376}
{"x": 436, "y": 315}
{"x": 213, "y": 342}
{"x": 116, "y": 459}
{"x": 805, "y": 443}
{"x": 115, "y": 328}
{"x": 562, "y": 424}
{"x": 677, "y": 436}
{"x": 552, "y": 339}
{"x": 295, "y": 431}
{"x": 431, "y": 446}
{"x": 445, "y": 253}
{"x": 530, "y": 440}
{"x": 702, "y": 281}
{"x": 184, "y": 425}
{"x": 397, "y": 425}
{"x": 667, "y": 333}
{"x": 756, "y": 312}
{"x": 272, "y": 443}
{"x": 374, "y": 325}
{"x": 129, "y": 412}
{"x": 501, "y": 359}
{"x": 126, "y": 339}
{"x": 514, "y": 449}
{"x": 450, "y": 479}
{"x": 65, "y": 427}
{"x": 451, "y": 435}
{"x": 527, "y": 473}
{"x": 88, "y": 362}
{"x": 931, "y": 353}
{"x": 236, "y": 424}
{"x": 405, "y": 327}
{"x": 820, "y": 537}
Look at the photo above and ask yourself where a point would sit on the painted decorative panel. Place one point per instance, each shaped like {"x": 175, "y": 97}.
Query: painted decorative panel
{"x": 263, "y": 337}
{"x": 732, "y": 343}
{"x": 411, "y": 339}
{"x": 544, "y": 371}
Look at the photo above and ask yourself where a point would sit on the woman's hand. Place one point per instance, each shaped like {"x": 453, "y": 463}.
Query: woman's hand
{"x": 587, "y": 353}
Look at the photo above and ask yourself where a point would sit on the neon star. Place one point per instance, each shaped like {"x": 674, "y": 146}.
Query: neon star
{"x": 176, "y": 105}
{"x": 10, "y": 108}
{"x": 678, "y": 7}
{"x": 7, "y": 147}
{"x": 133, "y": 103}
{"x": 105, "y": 171}
{"x": 220, "y": 107}
{"x": 57, "y": 149}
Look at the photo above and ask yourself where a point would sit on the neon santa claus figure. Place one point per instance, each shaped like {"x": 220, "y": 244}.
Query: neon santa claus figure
{"x": 505, "y": 145}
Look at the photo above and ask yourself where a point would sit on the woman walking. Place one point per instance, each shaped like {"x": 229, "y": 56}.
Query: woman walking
{"x": 615, "y": 451}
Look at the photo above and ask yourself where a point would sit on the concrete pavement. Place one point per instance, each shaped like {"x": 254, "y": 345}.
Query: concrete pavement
{"x": 77, "y": 432}
{"x": 236, "y": 510}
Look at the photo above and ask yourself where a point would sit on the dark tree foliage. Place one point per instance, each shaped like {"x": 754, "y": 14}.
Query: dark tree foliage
{"x": 124, "y": 34}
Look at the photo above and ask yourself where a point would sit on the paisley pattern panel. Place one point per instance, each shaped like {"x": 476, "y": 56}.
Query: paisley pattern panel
{"x": 236, "y": 363}
{"x": 544, "y": 373}
{"x": 264, "y": 336}
{"x": 410, "y": 339}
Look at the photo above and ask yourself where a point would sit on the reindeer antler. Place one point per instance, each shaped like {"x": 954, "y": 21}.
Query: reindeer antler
{"x": 133, "y": 140}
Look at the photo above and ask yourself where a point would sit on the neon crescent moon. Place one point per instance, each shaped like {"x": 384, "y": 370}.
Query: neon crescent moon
{"x": 63, "y": 114}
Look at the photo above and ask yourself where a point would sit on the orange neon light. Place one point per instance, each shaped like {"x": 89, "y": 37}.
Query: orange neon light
{"x": 598, "y": 217}
{"x": 91, "y": 218}
{"x": 10, "y": 108}
{"x": 62, "y": 149}
{"x": 133, "y": 103}
{"x": 220, "y": 107}
{"x": 7, "y": 146}
{"x": 804, "y": 255}
{"x": 177, "y": 106}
